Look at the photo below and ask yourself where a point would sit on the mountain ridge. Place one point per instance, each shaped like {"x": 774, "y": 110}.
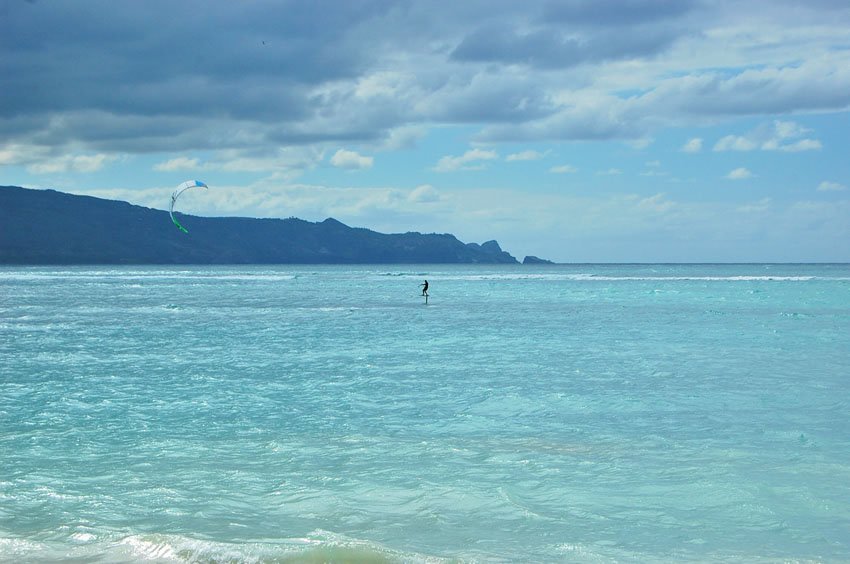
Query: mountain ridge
{"x": 52, "y": 227}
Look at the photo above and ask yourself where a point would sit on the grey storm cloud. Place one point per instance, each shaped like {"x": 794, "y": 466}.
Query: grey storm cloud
{"x": 554, "y": 48}
{"x": 167, "y": 76}
{"x": 147, "y": 76}
{"x": 615, "y": 13}
{"x": 186, "y": 56}
{"x": 567, "y": 33}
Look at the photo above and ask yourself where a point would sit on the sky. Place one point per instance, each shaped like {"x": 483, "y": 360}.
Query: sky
{"x": 573, "y": 130}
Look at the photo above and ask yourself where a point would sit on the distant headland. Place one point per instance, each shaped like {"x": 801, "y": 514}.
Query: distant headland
{"x": 50, "y": 227}
{"x": 531, "y": 259}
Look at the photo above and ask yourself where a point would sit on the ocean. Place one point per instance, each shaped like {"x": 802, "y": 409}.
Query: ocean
{"x": 570, "y": 413}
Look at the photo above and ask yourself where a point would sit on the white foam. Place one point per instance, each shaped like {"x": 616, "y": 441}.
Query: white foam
{"x": 695, "y": 278}
{"x": 316, "y": 546}
{"x": 587, "y": 277}
{"x": 125, "y": 275}
{"x": 150, "y": 549}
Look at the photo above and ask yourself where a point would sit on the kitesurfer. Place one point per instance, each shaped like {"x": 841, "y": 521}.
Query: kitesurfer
{"x": 424, "y": 288}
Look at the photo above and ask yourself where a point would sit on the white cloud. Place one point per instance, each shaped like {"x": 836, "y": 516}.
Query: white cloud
{"x": 563, "y": 169}
{"x": 526, "y": 156}
{"x": 692, "y": 146}
{"x": 735, "y": 143}
{"x": 351, "y": 160}
{"x": 761, "y": 206}
{"x": 657, "y": 204}
{"x": 282, "y": 163}
{"x": 403, "y": 137}
{"x": 42, "y": 160}
{"x": 692, "y": 98}
{"x": 801, "y": 145}
{"x": 424, "y": 194}
{"x": 610, "y": 172}
{"x": 17, "y": 154}
{"x": 180, "y": 163}
{"x": 69, "y": 163}
{"x": 777, "y": 136}
{"x": 641, "y": 143}
{"x": 828, "y": 186}
{"x": 470, "y": 160}
{"x": 789, "y": 129}
{"x": 739, "y": 174}
{"x": 383, "y": 84}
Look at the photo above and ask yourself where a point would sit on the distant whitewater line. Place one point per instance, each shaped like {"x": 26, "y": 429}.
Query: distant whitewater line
{"x": 606, "y": 278}
{"x": 275, "y": 277}
{"x": 129, "y": 275}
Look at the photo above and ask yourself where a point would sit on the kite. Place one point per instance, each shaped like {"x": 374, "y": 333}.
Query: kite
{"x": 180, "y": 189}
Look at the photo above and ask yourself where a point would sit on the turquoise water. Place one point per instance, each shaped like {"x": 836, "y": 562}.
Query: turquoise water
{"x": 582, "y": 413}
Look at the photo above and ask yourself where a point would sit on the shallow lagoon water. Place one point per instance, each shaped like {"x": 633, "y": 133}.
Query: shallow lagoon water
{"x": 580, "y": 413}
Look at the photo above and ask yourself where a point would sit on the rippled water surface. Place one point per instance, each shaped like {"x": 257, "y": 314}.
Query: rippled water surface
{"x": 582, "y": 413}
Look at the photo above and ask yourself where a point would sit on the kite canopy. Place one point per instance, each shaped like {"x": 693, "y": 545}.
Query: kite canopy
{"x": 176, "y": 194}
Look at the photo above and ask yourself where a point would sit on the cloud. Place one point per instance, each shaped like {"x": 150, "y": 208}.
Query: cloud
{"x": 12, "y": 154}
{"x": 287, "y": 74}
{"x": 179, "y": 163}
{"x": 640, "y": 143}
{"x": 563, "y": 169}
{"x": 470, "y": 160}
{"x": 486, "y": 95}
{"x": 657, "y": 203}
{"x": 69, "y": 163}
{"x": 692, "y": 145}
{"x": 403, "y": 137}
{"x": 424, "y": 194}
{"x": 828, "y": 186}
{"x": 526, "y": 156}
{"x": 758, "y": 207}
{"x": 351, "y": 160}
{"x": 801, "y": 145}
{"x": 609, "y": 172}
{"x": 39, "y": 160}
{"x": 653, "y": 169}
{"x": 777, "y": 136}
{"x": 739, "y": 174}
{"x": 280, "y": 162}
{"x": 627, "y": 14}
{"x": 581, "y": 116}
{"x": 735, "y": 143}
{"x": 576, "y": 34}
{"x": 819, "y": 84}
{"x": 769, "y": 89}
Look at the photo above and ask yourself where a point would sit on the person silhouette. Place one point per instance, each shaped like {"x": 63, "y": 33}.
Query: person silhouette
{"x": 424, "y": 288}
